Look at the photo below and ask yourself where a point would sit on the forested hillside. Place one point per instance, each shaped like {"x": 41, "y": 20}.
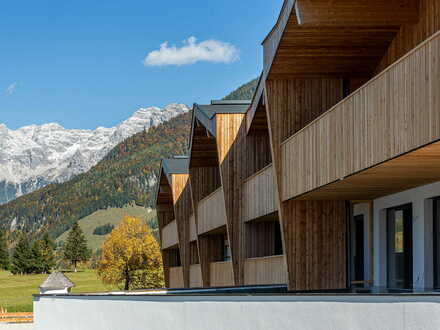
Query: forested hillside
{"x": 244, "y": 92}
{"x": 125, "y": 175}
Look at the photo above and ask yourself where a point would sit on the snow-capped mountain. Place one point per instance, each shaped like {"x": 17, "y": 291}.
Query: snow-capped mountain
{"x": 34, "y": 156}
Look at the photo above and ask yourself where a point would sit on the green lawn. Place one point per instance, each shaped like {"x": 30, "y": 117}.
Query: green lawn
{"x": 113, "y": 216}
{"x": 16, "y": 290}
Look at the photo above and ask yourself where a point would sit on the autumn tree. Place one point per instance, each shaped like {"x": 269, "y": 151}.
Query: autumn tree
{"x": 131, "y": 257}
{"x": 76, "y": 249}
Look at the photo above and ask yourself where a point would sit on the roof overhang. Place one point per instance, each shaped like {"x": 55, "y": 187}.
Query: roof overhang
{"x": 344, "y": 38}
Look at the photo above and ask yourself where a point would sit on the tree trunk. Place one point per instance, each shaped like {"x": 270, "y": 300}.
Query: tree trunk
{"x": 127, "y": 279}
{"x": 74, "y": 265}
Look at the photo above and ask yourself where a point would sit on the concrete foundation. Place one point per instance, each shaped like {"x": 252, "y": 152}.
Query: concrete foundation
{"x": 229, "y": 312}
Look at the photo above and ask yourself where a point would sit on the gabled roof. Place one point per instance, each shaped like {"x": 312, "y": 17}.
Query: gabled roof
{"x": 57, "y": 281}
{"x": 175, "y": 165}
{"x": 205, "y": 113}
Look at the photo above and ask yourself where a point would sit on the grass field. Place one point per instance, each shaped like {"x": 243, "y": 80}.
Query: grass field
{"x": 16, "y": 290}
{"x": 103, "y": 217}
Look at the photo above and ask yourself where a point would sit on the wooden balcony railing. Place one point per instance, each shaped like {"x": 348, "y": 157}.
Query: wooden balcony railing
{"x": 176, "y": 277}
{"x": 195, "y": 276}
{"x": 394, "y": 113}
{"x": 169, "y": 235}
{"x": 221, "y": 274}
{"x": 259, "y": 194}
{"x": 265, "y": 271}
{"x": 211, "y": 212}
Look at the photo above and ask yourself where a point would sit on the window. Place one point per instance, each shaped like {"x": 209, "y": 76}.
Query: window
{"x": 226, "y": 249}
{"x": 399, "y": 247}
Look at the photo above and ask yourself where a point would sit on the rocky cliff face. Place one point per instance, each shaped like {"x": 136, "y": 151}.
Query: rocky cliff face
{"x": 35, "y": 156}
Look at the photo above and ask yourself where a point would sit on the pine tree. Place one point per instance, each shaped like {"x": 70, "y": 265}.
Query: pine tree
{"x": 22, "y": 257}
{"x": 47, "y": 248}
{"x": 75, "y": 249}
{"x": 4, "y": 254}
{"x": 37, "y": 261}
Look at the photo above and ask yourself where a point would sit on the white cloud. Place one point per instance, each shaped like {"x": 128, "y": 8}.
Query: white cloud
{"x": 191, "y": 52}
{"x": 11, "y": 88}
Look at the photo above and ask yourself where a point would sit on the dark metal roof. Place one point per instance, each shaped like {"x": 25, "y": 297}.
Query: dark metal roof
{"x": 176, "y": 165}
{"x": 205, "y": 113}
{"x": 57, "y": 281}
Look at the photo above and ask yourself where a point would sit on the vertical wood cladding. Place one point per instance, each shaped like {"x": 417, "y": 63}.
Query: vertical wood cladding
{"x": 204, "y": 181}
{"x": 410, "y": 35}
{"x": 170, "y": 258}
{"x": 315, "y": 242}
{"x": 183, "y": 210}
{"x": 263, "y": 239}
{"x": 290, "y": 105}
{"x": 257, "y": 150}
{"x": 194, "y": 253}
{"x": 231, "y": 134}
{"x": 210, "y": 250}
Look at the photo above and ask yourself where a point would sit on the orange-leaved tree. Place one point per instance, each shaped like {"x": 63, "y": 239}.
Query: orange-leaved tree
{"x": 131, "y": 257}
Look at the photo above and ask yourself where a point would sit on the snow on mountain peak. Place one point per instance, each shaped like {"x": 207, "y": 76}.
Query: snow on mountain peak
{"x": 36, "y": 155}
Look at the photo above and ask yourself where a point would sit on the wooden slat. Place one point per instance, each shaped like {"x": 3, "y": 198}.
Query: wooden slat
{"x": 222, "y": 274}
{"x": 195, "y": 275}
{"x": 265, "y": 270}
{"x": 16, "y": 317}
{"x": 169, "y": 235}
{"x": 211, "y": 212}
{"x": 183, "y": 209}
{"x": 176, "y": 277}
{"x": 392, "y": 114}
{"x": 259, "y": 194}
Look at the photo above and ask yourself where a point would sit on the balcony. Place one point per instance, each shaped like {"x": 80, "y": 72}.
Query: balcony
{"x": 221, "y": 274}
{"x": 195, "y": 276}
{"x": 265, "y": 271}
{"x": 211, "y": 212}
{"x": 176, "y": 277}
{"x": 370, "y": 144}
{"x": 259, "y": 194}
{"x": 169, "y": 235}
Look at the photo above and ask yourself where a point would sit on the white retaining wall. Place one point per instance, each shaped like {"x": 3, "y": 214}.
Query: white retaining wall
{"x": 292, "y": 312}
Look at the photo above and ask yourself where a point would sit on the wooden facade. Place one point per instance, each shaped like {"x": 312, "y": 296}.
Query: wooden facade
{"x": 346, "y": 109}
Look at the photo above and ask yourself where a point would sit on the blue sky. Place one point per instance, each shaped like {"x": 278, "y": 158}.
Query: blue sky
{"x": 83, "y": 63}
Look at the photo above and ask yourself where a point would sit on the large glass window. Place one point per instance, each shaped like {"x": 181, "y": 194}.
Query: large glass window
{"x": 399, "y": 246}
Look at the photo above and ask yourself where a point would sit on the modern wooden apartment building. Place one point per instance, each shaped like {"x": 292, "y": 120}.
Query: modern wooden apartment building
{"x": 329, "y": 179}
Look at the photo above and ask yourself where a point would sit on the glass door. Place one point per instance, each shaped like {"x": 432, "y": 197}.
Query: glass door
{"x": 399, "y": 246}
{"x": 358, "y": 254}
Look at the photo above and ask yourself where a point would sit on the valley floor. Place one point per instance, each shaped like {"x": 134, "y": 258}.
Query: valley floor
{"x": 16, "y": 290}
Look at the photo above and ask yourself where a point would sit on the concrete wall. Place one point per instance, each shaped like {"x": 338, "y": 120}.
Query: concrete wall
{"x": 302, "y": 312}
{"x": 421, "y": 200}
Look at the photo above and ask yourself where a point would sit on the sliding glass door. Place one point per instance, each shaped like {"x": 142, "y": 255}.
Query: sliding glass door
{"x": 399, "y": 246}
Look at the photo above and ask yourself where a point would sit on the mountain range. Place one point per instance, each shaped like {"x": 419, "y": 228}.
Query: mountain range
{"x": 125, "y": 176}
{"x": 37, "y": 155}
